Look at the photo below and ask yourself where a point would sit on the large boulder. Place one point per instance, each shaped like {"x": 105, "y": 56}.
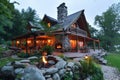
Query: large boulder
{"x": 70, "y": 64}
{"x": 7, "y": 68}
{"x": 7, "y": 73}
{"x": 56, "y": 76}
{"x": 60, "y": 64}
{"x": 62, "y": 72}
{"x": 19, "y": 71}
{"x": 32, "y": 73}
{"x": 32, "y": 58}
{"x": 51, "y": 70}
{"x": 24, "y": 61}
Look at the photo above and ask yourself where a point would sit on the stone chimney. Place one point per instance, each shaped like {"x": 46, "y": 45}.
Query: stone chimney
{"x": 62, "y": 12}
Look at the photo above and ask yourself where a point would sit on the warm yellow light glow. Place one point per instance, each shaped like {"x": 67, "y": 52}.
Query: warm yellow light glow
{"x": 73, "y": 43}
{"x": 86, "y": 57}
{"x": 44, "y": 59}
{"x": 59, "y": 46}
{"x": 49, "y": 40}
{"x": 49, "y": 24}
{"x": 73, "y": 25}
{"x": 37, "y": 41}
{"x": 29, "y": 41}
{"x": 18, "y": 42}
{"x": 81, "y": 43}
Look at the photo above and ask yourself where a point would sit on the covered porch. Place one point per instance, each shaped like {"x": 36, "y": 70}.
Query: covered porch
{"x": 33, "y": 41}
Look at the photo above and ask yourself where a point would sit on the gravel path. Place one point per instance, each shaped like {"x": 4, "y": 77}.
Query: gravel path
{"x": 110, "y": 73}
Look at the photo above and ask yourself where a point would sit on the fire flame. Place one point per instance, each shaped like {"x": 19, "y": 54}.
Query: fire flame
{"x": 59, "y": 46}
{"x": 44, "y": 59}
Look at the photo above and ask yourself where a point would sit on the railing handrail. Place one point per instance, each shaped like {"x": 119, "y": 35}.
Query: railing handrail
{"x": 78, "y": 31}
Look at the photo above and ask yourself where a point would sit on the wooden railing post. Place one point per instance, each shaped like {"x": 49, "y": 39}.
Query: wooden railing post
{"x": 26, "y": 45}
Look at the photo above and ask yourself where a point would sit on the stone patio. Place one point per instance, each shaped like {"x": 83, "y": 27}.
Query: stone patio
{"x": 78, "y": 54}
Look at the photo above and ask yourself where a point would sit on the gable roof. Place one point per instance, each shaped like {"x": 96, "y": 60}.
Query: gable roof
{"x": 71, "y": 19}
{"x": 34, "y": 25}
{"x": 49, "y": 18}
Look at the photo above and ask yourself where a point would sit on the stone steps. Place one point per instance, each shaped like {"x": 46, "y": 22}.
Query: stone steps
{"x": 100, "y": 59}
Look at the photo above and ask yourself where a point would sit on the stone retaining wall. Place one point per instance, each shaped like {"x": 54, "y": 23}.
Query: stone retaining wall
{"x": 23, "y": 70}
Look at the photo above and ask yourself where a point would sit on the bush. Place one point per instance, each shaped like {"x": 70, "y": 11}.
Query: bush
{"x": 67, "y": 76}
{"x": 90, "y": 68}
{"x": 1, "y": 50}
{"x": 23, "y": 55}
{"x": 48, "y": 49}
{"x": 35, "y": 53}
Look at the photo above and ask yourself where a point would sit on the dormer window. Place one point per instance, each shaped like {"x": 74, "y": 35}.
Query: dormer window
{"x": 49, "y": 24}
{"x": 73, "y": 25}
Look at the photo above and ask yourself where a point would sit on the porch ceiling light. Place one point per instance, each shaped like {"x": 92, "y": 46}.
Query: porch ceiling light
{"x": 29, "y": 41}
{"x": 18, "y": 42}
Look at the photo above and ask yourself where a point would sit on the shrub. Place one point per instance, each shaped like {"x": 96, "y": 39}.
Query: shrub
{"x": 23, "y": 55}
{"x": 90, "y": 68}
{"x": 67, "y": 76}
{"x": 36, "y": 53}
{"x": 1, "y": 50}
{"x": 48, "y": 49}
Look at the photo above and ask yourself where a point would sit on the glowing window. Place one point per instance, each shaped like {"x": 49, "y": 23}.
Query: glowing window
{"x": 29, "y": 41}
{"x": 81, "y": 44}
{"x": 73, "y": 25}
{"x": 49, "y": 24}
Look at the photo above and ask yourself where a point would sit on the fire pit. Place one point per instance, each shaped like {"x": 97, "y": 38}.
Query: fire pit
{"x": 47, "y": 62}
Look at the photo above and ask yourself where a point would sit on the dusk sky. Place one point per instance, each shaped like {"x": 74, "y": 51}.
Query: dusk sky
{"x": 49, "y": 7}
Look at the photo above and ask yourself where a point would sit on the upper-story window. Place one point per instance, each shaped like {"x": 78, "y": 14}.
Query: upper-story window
{"x": 49, "y": 24}
{"x": 74, "y": 25}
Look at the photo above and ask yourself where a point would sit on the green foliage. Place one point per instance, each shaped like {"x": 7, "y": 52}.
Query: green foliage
{"x": 61, "y": 55}
{"x": 93, "y": 31}
{"x": 23, "y": 55}
{"x": 16, "y": 25}
{"x": 67, "y": 76}
{"x": 6, "y": 60}
{"x": 18, "y": 76}
{"x": 8, "y": 43}
{"x": 48, "y": 49}
{"x": 26, "y": 55}
{"x": 90, "y": 68}
{"x": 36, "y": 53}
{"x": 113, "y": 60}
{"x": 6, "y": 10}
{"x": 1, "y": 50}
{"x": 48, "y": 30}
{"x": 109, "y": 23}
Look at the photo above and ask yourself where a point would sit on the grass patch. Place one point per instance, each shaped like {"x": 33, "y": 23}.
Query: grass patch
{"x": 113, "y": 60}
{"x": 6, "y": 60}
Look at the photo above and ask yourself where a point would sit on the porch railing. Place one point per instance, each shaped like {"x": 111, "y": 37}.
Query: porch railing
{"x": 78, "y": 31}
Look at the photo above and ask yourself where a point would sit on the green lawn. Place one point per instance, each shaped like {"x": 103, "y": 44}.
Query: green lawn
{"x": 113, "y": 60}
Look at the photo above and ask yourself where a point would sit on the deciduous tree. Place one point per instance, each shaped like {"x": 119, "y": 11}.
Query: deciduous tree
{"x": 109, "y": 22}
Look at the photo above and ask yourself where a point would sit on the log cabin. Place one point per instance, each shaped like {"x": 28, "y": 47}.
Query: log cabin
{"x": 72, "y": 33}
